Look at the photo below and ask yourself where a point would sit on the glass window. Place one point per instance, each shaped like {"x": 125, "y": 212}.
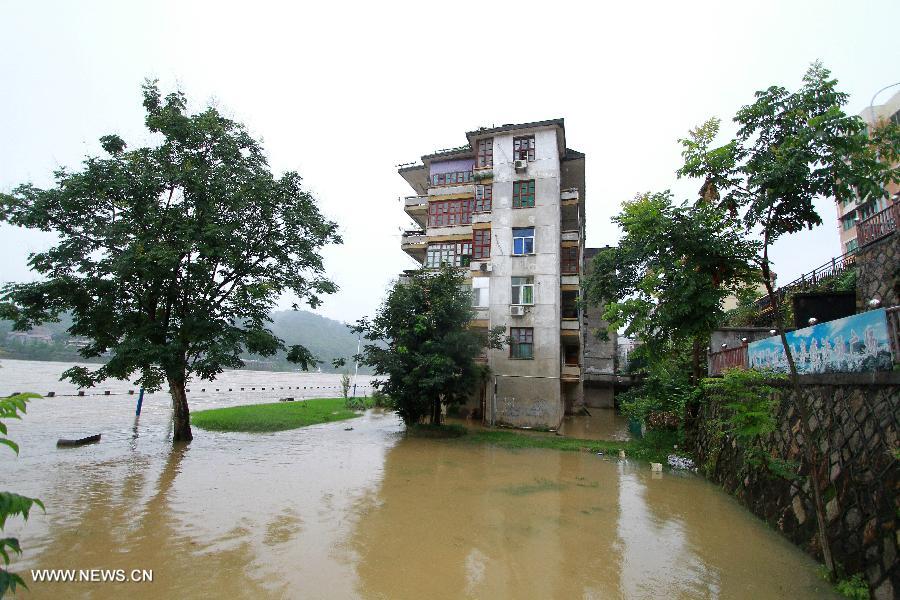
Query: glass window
{"x": 451, "y": 178}
{"x": 569, "y": 259}
{"x": 523, "y": 194}
{"x": 523, "y": 148}
{"x": 485, "y": 154}
{"x": 481, "y": 244}
{"x": 523, "y": 290}
{"x": 521, "y": 342}
{"x": 523, "y": 240}
{"x": 450, "y": 212}
{"x": 481, "y": 291}
{"x": 484, "y": 195}
{"x": 456, "y": 255}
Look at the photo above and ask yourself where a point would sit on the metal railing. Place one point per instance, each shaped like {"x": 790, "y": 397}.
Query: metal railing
{"x": 729, "y": 359}
{"x": 879, "y": 225}
{"x": 835, "y": 266}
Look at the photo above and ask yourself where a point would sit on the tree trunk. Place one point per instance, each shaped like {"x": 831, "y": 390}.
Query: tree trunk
{"x": 810, "y": 448}
{"x": 436, "y": 412}
{"x": 180, "y": 411}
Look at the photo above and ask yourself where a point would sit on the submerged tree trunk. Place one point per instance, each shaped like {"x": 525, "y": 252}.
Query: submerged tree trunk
{"x": 810, "y": 448}
{"x": 180, "y": 411}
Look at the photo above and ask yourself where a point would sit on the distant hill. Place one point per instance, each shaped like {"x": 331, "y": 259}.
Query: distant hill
{"x": 326, "y": 338}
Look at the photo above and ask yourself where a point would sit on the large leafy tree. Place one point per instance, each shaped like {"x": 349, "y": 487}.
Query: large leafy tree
{"x": 791, "y": 148}
{"x": 170, "y": 257}
{"x": 666, "y": 280}
{"x": 420, "y": 337}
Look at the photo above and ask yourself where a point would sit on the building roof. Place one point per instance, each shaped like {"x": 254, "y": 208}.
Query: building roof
{"x": 561, "y": 123}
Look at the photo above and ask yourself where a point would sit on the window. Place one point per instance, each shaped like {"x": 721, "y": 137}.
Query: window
{"x": 865, "y": 211}
{"x": 571, "y": 355}
{"x": 523, "y": 290}
{"x": 848, "y": 221}
{"x": 454, "y": 178}
{"x": 523, "y": 148}
{"x": 523, "y": 240}
{"x": 484, "y": 195}
{"x": 481, "y": 292}
{"x": 568, "y": 260}
{"x": 521, "y": 343}
{"x": 485, "y": 155}
{"x": 481, "y": 244}
{"x": 450, "y": 212}
{"x": 456, "y": 255}
{"x": 523, "y": 194}
{"x": 852, "y": 245}
{"x": 569, "y": 306}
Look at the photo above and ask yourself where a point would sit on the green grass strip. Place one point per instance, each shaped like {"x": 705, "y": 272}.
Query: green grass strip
{"x": 274, "y": 416}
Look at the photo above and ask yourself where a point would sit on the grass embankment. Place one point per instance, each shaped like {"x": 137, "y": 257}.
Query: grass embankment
{"x": 655, "y": 447}
{"x": 273, "y": 416}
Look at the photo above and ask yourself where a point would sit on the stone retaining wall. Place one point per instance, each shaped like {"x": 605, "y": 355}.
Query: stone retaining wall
{"x": 878, "y": 272}
{"x": 854, "y": 420}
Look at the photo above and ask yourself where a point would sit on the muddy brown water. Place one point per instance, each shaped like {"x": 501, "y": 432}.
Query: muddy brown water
{"x": 322, "y": 512}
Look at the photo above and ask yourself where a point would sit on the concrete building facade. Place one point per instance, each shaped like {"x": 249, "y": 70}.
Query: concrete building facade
{"x": 851, "y": 213}
{"x": 508, "y": 209}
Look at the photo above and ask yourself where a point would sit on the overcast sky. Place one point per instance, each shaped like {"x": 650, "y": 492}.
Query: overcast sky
{"x": 342, "y": 93}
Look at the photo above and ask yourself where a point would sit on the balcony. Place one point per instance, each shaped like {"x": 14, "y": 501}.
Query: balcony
{"x": 879, "y": 225}
{"x": 569, "y": 195}
{"x": 414, "y": 243}
{"x": 570, "y": 373}
{"x": 417, "y": 209}
{"x": 569, "y": 236}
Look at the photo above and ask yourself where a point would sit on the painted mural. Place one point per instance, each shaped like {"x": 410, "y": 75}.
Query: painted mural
{"x": 850, "y": 345}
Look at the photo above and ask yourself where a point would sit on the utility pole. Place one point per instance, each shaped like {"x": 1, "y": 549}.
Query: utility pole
{"x": 356, "y": 372}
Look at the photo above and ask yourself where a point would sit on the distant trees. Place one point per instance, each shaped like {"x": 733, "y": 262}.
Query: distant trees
{"x": 420, "y": 338}
{"x": 171, "y": 256}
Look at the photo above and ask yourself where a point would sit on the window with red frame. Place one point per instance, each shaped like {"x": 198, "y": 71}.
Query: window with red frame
{"x": 523, "y": 194}
{"x": 485, "y": 154}
{"x": 484, "y": 195}
{"x": 521, "y": 343}
{"x": 523, "y": 148}
{"x": 450, "y": 212}
{"x": 481, "y": 244}
{"x": 569, "y": 260}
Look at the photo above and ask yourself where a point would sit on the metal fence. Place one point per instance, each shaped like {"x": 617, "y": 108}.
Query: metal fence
{"x": 728, "y": 359}
{"x": 879, "y": 225}
{"x": 835, "y": 266}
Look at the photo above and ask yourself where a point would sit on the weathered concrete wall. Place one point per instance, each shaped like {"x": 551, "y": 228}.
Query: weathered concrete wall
{"x": 854, "y": 418}
{"x": 878, "y": 272}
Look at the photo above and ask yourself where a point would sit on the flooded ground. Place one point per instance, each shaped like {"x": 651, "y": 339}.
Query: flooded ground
{"x": 601, "y": 424}
{"x": 326, "y": 513}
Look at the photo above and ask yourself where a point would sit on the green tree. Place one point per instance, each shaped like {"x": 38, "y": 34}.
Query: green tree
{"x": 11, "y": 504}
{"x": 420, "y": 338}
{"x": 171, "y": 256}
{"x": 672, "y": 269}
{"x": 791, "y": 148}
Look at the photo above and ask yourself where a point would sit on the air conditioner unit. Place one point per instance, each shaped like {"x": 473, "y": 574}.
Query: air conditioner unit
{"x": 521, "y": 165}
{"x": 484, "y": 267}
{"x": 516, "y": 311}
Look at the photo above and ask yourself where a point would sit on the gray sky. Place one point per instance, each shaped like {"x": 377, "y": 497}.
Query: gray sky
{"x": 342, "y": 93}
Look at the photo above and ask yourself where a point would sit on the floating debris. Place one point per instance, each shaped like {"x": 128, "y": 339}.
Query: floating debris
{"x": 681, "y": 462}
{"x": 656, "y": 467}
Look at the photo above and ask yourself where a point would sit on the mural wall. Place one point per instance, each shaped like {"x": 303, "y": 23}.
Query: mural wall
{"x": 850, "y": 345}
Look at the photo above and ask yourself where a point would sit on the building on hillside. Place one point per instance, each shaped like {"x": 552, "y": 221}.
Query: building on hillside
{"x": 508, "y": 208}
{"x": 36, "y": 335}
{"x": 856, "y": 221}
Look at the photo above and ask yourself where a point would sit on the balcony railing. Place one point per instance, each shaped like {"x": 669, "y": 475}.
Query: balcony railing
{"x": 413, "y": 238}
{"x": 834, "y": 267}
{"x": 879, "y": 225}
{"x": 415, "y": 202}
{"x": 728, "y": 359}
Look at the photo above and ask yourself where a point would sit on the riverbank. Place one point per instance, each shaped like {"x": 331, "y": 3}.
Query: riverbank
{"x": 275, "y": 416}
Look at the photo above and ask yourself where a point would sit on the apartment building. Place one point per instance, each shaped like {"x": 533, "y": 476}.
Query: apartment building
{"x": 850, "y": 212}
{"x": 508, "y": 209}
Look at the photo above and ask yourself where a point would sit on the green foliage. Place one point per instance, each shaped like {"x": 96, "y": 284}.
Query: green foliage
{"x": 855, "y": 588}
{"x": 12, "y": 505}
{"x": 420, "y": 338}
{"x": 273, "y": 416}
{"x": 674, "y": 266}
{"x": 170, "y": 257}
{"x": 665, "y": 387}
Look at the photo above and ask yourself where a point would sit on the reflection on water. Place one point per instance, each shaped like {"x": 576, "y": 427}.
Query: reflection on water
{"x": 601, "y": 424}
{"x": 323, "y": 512}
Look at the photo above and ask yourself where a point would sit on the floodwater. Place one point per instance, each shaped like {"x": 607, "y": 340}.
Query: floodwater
{"x": 323, "y": 512}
